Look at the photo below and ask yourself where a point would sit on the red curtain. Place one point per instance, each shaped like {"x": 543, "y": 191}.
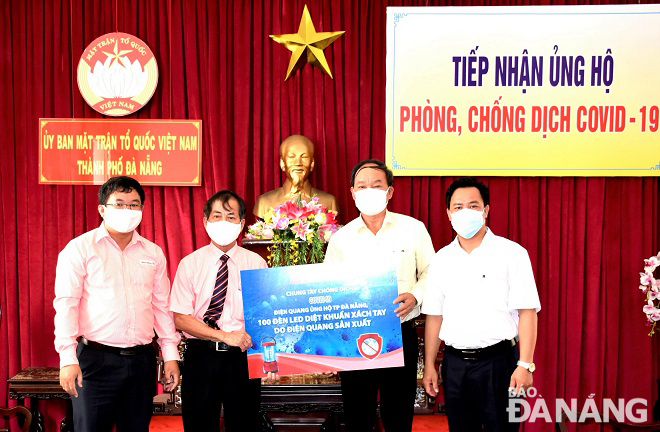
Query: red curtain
{"x": 586, "y": 236}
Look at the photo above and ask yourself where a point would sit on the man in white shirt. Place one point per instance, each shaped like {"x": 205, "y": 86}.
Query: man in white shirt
{"x": 381, "y": 238}
{"x": 208, "y": 307}
{"x": 480, "y": 299}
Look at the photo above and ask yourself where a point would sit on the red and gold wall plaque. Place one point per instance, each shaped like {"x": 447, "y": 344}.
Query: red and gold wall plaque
{"x": 117, "y": 74}
{"x": 90, "y": 151}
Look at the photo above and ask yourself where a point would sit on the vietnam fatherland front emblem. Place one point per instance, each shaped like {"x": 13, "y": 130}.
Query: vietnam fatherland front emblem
{"x": 117, "y": 74}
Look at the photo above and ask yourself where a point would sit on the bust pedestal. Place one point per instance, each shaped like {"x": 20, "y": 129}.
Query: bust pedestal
{"x": 258, "y": 246}
{"x": 311, "y": 400}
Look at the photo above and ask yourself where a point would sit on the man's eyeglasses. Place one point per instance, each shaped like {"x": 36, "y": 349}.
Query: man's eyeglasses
{"x": 120, "y": 206}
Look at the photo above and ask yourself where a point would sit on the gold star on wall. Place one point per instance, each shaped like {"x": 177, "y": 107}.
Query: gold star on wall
{"x": 116, "y": 55}
{"x": 307, "y": 45}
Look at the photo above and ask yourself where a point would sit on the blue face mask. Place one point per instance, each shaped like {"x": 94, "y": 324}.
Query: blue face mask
{"x": 467, "y": 222}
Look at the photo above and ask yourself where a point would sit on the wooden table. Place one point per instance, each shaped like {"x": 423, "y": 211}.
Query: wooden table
{"x": 40, "y": 383}
{"x": 301, "y": 407}
{"x": 305, "y": 402}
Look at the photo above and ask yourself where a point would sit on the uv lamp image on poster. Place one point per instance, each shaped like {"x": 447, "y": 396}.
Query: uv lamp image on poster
{"x": 321, "y": 317}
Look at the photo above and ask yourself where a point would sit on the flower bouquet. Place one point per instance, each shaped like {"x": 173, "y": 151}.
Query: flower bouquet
{"x": 651, "y": 287}
{"x": 299, "y": 231}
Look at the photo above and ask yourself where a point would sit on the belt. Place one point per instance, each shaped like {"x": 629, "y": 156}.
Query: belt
{"x": 212, "y": 345}
{"x": 482, "y": 353}
{"x": 130, "y": 351}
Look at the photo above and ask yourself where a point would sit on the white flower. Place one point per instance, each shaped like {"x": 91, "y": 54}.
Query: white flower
{"x": 267, "y": 233}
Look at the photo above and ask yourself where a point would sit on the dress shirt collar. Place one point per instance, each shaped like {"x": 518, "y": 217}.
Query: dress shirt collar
{"x": 102, "y": 232}
{"x": 389, "y": 219}
{"x": 485, "y": 242}
{"x": 215, "y": 253}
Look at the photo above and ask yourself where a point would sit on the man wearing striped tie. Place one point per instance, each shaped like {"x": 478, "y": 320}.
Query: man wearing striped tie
{"x": 208, "y": 307}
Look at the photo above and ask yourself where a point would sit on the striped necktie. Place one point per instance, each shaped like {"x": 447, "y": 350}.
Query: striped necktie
{"x": 217, "y": 304}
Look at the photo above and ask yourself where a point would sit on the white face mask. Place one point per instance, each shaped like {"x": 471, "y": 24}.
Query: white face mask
{"x": 123, "y": 220}
{"x": 370, "y": 201}
{"x": 223, "y": 232}
{"x": 467, "y": 222}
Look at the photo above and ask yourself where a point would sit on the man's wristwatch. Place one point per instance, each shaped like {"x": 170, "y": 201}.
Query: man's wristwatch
{"x": 531, "y": 367}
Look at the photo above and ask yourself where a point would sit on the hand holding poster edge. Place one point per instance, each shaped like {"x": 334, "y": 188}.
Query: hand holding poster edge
{"x": 321, "y": 317}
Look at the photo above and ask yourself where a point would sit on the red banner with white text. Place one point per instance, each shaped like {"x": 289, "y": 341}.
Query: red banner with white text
{"x": 90, "y": 151}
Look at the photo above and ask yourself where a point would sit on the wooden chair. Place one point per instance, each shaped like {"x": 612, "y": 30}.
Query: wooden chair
{"x": 9, "y": 413}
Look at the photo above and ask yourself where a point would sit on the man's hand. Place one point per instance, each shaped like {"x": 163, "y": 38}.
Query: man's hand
{"x": 68, "y": 376}
{"x": 430, "y": 381}
{"x": 239, "y": 339}
{"x": 407, "y": 304}
{"x": 521, "y": 378}
{"x": 171, "y": 378}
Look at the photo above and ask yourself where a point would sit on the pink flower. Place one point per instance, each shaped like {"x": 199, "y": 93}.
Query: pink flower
{"x": 291, "y": 210}
{"x": 646, "y": 279}
{"x": 652, "y": 313}
{"x": 653, "y": 295}
{"x": 326, "y": 231}
{"x": 315, "y": 207}
{"x": 282, "y": 223}
{"x": 649, "y": 309}
{"x": 651, "y": 264}
{"x": 301, "y": 230}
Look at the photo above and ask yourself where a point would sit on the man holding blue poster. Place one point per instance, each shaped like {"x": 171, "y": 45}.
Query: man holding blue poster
{"x": 380, "y": 238}
{"x": 208, "y": 306}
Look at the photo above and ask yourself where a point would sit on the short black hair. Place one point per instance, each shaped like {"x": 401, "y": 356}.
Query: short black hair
{"x": 375, "y": 164}
{"x": 224, "y": 196}
{"x": 467, "y": 182}
{"x": 119, "y": 184}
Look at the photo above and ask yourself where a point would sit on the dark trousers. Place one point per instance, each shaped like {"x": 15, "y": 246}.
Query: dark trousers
{"x": 214, "y": 378}
{"x": 477, "y": 392}
{"x": 117, "y": 390}
{"x": 397, "y": 388}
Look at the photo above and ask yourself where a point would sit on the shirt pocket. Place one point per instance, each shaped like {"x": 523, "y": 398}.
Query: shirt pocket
{"x": 144, "y": 277}
{"x": 494, "y": 286}
{"x": 406, "y": 268}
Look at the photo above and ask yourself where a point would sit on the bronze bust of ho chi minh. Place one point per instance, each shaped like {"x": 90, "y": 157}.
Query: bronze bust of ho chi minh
{"x": 297, "y": 162}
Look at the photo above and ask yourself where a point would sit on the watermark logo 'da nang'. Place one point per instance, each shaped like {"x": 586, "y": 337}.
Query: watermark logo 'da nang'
{"x": 537, "y": 409}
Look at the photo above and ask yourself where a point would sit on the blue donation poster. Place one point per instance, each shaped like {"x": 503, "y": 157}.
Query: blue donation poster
{"x": 321, "y": 317}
